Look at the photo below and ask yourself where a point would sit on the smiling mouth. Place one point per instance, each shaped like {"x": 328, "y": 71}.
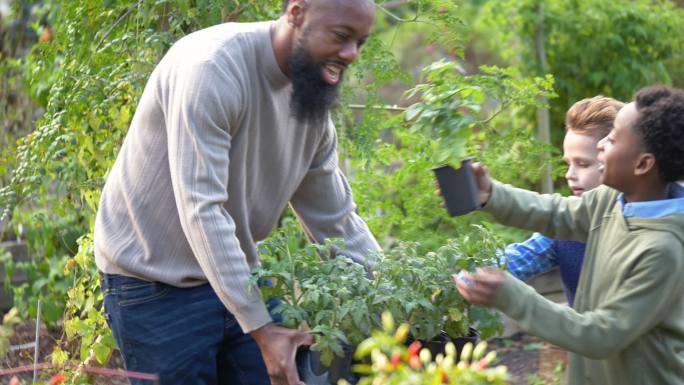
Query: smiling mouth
{"x": 332, "y": 72}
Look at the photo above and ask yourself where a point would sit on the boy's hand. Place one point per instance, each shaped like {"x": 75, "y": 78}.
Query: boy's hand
{"x": 278, "y": 347}
{"x": 484, "y": 182}
{"x": 480, "y": 288}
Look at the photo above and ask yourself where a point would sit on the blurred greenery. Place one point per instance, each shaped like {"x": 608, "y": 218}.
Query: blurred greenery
{"x": 609, "y": 47}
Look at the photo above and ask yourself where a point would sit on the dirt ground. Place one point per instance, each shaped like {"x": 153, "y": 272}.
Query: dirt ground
{"x": 25, "y": 334}
{"x": 530, "y": 361}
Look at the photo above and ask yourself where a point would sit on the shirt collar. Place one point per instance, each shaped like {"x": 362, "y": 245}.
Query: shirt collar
{"x": 655, "y": 209}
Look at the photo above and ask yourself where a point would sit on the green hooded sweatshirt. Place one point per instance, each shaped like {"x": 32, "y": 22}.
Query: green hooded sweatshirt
{"x": 627, "y": 326}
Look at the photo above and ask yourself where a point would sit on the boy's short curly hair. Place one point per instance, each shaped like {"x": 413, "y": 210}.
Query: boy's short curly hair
{"x": 660, "y": 125}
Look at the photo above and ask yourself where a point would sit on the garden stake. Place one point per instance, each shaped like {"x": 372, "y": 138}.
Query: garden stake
{"x": 37, "y": 347}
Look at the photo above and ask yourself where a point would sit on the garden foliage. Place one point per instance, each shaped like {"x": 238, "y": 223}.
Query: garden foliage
{"x": 340, "y": 302}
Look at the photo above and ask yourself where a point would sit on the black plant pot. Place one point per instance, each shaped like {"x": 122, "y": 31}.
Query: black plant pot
{"x": 341, "y": 367}
{"x": 436, "y": 345}
{"x": 312, "y": 371}
{"x": 459, "y": 188}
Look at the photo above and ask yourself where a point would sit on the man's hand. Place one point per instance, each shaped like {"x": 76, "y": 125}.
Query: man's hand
{"x": 484, "y": 182}
{"x": 482, "y": 287}
{"x": 278, "y": 347}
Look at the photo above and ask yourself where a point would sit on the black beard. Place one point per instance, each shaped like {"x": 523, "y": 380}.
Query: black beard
{"x": 311, "y": 97}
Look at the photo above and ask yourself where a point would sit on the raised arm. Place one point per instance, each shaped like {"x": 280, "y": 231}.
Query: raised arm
{"x": 553, "y": 215}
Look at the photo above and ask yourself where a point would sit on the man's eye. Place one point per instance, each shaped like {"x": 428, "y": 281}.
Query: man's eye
{"x": 341, "y": 36}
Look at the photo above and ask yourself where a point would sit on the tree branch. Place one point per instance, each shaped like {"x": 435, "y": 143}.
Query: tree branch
{"x": 393, "y": 108}
{"x": 117, "y": 22}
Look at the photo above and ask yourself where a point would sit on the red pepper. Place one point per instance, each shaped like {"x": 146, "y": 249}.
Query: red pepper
{"x": 396, "y": 359}
{"x": 415, "y": 363}
{"x": 414, "y": 348}
{"x": 445, "y": 378}
{"x": 57, "y": 379}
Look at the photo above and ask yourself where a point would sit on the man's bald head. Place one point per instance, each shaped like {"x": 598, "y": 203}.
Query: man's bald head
{"x": 286, "y": 3}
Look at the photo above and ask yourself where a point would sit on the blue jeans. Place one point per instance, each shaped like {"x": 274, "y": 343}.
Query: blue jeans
{"x": 185, "y": 335}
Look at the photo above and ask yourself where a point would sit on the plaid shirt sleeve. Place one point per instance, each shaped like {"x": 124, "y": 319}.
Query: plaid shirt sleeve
{"x": 530, "y": 258}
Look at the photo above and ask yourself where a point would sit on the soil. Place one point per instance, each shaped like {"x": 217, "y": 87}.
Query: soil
{"x": 530, "y": 360}
{"x": 25, "y": 334}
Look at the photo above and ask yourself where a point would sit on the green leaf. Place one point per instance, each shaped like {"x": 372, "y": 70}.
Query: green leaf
{"x": 414, "y": 111}
{"x": 51, "y": 311}
{"x": 102, "y": 352}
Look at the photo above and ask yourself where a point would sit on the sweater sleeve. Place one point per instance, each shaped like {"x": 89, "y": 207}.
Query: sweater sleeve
{"x": 643, "y": 301}
{"x": 200, "y": 102}
{"x": 553, "y": 215}
{"x": 325, "y": 206}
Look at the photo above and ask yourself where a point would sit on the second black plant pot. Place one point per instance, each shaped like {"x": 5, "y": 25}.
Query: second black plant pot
{"x": 312, "y": 371}
{"x": 437, "y": 344}
{"x": 341, "y": 367}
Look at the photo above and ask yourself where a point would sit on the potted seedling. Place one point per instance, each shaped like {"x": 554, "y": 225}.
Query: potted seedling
{"x": 327, "y": 295}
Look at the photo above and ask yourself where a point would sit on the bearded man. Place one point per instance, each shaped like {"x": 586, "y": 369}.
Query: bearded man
{"x": 232, "y": 126}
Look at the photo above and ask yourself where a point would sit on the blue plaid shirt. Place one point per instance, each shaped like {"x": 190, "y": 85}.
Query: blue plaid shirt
{"x": 530, "y": 258}
{"x": 540, "y": 254}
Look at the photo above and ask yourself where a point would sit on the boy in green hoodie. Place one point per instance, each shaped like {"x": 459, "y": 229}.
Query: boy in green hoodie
{"x": 627, "y": 326}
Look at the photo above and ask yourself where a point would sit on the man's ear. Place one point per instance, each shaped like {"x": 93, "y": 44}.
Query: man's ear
{"x": 295, "y": 12}
{"x": 645, "y": 164}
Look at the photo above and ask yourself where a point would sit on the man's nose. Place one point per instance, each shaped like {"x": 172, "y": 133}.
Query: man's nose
{"x": 570, "y": 174}
{"x": 349, "y": 52}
